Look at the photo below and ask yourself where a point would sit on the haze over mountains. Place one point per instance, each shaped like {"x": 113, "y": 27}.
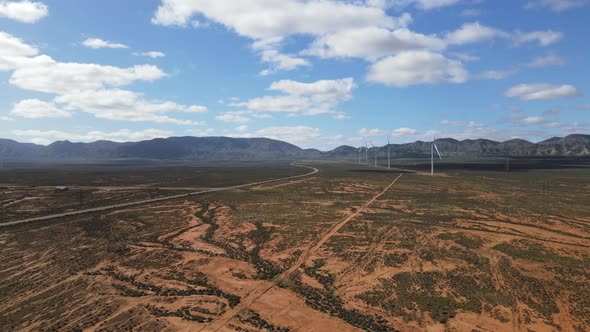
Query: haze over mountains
{"x": 225, "y": 148}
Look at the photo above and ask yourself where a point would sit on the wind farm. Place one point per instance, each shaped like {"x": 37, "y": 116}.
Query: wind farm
{"x": 369, "y": 242}
{"x": 294, "y": 166}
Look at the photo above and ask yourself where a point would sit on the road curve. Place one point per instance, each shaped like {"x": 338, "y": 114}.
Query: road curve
{"x": 159, "y": 199}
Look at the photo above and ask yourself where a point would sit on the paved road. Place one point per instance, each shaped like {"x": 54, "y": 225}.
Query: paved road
{"x": 156, "y": 200}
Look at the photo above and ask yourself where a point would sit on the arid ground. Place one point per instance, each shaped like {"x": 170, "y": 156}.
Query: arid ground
{"x": 351, "y": 248}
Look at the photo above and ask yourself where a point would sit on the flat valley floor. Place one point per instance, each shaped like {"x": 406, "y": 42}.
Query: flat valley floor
{"x": 352, "y": 248}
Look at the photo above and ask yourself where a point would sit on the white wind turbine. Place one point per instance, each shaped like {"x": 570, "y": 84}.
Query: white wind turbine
{"x": 374, "y": 148}
{"x": 432, "y": 148}
{"x": 360, "y": 151}
{"x": 388, "y": 153}
{"x": 366, "y": 153}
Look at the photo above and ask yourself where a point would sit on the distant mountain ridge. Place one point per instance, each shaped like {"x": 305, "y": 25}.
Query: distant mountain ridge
{"x": 226, "y": 148}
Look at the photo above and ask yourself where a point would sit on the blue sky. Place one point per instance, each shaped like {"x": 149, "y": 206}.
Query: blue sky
{"x": 316, "y": 73}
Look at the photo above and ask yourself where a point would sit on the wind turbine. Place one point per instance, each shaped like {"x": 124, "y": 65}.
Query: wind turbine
{"x": 432, "y": 148}
{"x": 374, "y": 148}
{"x": 388, "y": 153}
{"x": 360, "y": 151}
{"x": 366, "y": 153}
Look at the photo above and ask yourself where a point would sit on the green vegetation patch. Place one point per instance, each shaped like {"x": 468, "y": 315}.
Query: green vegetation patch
{"x": 470, "y": 242}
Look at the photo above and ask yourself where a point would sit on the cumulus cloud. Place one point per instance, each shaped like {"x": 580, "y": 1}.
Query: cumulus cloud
{"x": 544, "y": 38}
{"x": 234, "y": 117}
{"x": 280, "y": 61}
{"x": 123, "y": 135}
{"x": 23, "y": 11}
{"x": 497, "y": 74}
{"x": 14, "y": 52}
{"x": 50, "y": 76}
{"x": 96, "y": 43}
{"x": 260, "y": 19}
{"x": 548, "y": 60}
{"x": 38, "y": 109}
{"x": 151, "y": 54}
{"x": 320, "y": 97}
{"x": 122, "y": 105}
{"x": 338, "y": 29}
{"x": 473, "y": 33}
{"x": 417, "y": 67}
{"x": 541, "y": 91}
{"x": 420, "y": 4}
{"x": 404, "y": 132}
{"x": 372, "y": 43}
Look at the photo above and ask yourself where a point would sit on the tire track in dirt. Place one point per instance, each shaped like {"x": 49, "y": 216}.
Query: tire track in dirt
{"x": 264, "y": 287}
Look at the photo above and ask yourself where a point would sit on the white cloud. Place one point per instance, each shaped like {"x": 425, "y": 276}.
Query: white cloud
{"x": 62, "y": 77}
{"x": 37, "y": 109}
{"x": 417, "y": 67}
{"x": 234, "y": 117}
{"x": 473, "y": 33}
{"x": 532, "y": 120}
{"x": 151, "y": 54}
{"x": 544, "y": 38}
{"x": 24, "y": 11}
{"x": 96, "y": 43}
{"x": 556, "y": 5}
{"x": 261, "y": 19}
{"x": 123, "y": 135}
{"x": 404, "y": 132}
{"x": 541, "y": 91}
{"x": 465, "y": 56}
{"x": 548, "y": 60}
{"x": 372, "y": 43}
{"x": 14, "y": 52}
{"x": 320, "y": 97}
{"x": 471, "y": 124}
{"x": 242, "y": 129}
{"x": 85, "y": 87}
{"x": 280, "y": 61}
{"x": 122, "y": 105}
{"x": 420, "y": 4}
{"x": 364, "y": 132}
{"x": 497, "y": 74}
{"x": 319, "y": 91}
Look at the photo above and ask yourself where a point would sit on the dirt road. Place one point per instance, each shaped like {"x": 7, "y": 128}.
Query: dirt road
{"x": 257, "y": 292}
{"x": 157, "y": 200}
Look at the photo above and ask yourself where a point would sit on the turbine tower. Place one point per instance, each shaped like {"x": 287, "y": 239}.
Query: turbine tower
{"x": 388, "y": 153}
{"x": 432, "y": 148}
{"x": 360, "y": 151}
{"x": 366, "y": 153}
{"x": 374, "y": 148}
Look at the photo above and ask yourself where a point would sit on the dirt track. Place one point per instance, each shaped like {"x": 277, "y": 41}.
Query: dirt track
{"x": 257, "y": 292}
{"x": 156, "y": 200}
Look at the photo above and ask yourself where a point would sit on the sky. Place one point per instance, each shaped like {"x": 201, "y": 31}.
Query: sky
{"x": 315, "y": 73}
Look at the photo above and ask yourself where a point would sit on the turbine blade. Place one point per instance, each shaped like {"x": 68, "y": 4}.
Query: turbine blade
{"x": 436, "y": 148}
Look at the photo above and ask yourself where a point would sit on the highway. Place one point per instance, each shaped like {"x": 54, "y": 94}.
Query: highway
{"x": 157, "y": 200}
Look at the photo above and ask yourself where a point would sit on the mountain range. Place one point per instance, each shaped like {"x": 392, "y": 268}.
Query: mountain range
{"x": 225, "y": 148}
